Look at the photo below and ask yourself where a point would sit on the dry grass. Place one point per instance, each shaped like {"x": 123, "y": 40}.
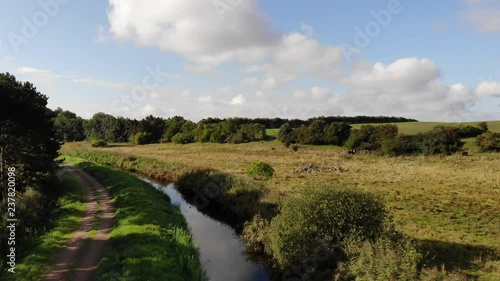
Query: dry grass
{"x": 449, "y": 203}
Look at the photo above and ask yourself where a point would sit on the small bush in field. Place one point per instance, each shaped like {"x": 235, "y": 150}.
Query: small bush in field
{"x": 489, "y": 141}
{"x": 295, "y": 147}
{"x": 98, "y": 143}
{"x": 323, "y": 218}
{"x": 141, "y": 138}
{"x": 260, "y": 171}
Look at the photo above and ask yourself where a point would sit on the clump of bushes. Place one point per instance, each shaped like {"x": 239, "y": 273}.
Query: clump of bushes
{"x": 141, "y": 138}
{"x": 98, "y": 143}
{"x": 260, "y": 171}
{"x": 489, "y": 142}
{"x": 183, "y": 138}
{"x": 325, "y": 218}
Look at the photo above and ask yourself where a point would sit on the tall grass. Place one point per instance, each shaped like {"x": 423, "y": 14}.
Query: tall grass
{"x": 150, "y": 239}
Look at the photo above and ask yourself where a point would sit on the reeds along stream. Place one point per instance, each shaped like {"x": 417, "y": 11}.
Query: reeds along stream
{"x": 221, "y": 250}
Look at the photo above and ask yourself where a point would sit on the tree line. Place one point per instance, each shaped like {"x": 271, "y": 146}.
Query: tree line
{"x": 103, "y": 128}
{"x": 386, "y": 139}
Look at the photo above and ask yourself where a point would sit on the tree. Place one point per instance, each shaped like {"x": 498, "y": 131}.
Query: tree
{"x": 102, "y": 126}
{"x": 27, "y": 139}
{"x": 489, "y": 141}
{"x": 286, "y": 135}
{"x": 336, "y": 133}
{"x": 68, "y": 126}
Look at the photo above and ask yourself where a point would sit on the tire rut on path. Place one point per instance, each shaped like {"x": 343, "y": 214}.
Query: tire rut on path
{"x": 79, "y": 259}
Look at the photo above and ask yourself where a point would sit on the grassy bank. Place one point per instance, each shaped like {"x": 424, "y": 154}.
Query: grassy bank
{"x": 38, "y": 260}
{"x": 150, "y": 239}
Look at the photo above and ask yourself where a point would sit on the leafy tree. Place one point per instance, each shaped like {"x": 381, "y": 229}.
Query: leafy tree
{"x": 28, "y": 145}
{"x": 102, "y": 126}
{"x": 483, "y": 126}
{"x": 172, "y": 127}
{"x": 68, "y": 127}
{"x": 336, "y": 133}
{"x": 441, "y": 140}
{"x": 154, "y": 127}
{"x": 304, "y": 135}
{"x": 286, "y": 134}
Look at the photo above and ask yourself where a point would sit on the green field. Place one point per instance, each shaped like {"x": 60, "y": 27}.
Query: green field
{"x": 412, "y": 128}
{"x": 448, "y": 203}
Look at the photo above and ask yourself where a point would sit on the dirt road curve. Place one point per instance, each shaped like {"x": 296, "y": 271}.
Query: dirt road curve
{"x": 79, "y": 260}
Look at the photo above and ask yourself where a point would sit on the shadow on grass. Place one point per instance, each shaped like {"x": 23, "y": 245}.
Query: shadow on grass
{"x": 455, "y": 256}
{"x": 223, "y": 197}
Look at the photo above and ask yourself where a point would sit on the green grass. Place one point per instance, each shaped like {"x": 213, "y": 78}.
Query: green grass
{"x": 449, "y": 203}
{"x": 150, "y": 239}
{"x": 39, "y": 260}
{"x": 272, "y": 132}
{"x": 411, "y": 128}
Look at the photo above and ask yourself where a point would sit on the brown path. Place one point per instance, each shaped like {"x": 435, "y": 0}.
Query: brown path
{"x": 79, "y": 260}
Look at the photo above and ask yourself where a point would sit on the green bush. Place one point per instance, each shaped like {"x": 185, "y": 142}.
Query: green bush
{"x": 98, "y": 143}
{"x": 489, "y": 142}
{"x": 141, "y": 138}
{"x": 260, "y": 171}
{"x": 324, "y": 218}
{"x": 183, "y": 138}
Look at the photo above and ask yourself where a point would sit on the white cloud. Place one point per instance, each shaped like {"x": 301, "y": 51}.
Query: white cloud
{"x": 407, "y": 87}
{"x": 38, "y": 76}
{"x": 101, "y": 35}
{"x": 484, "y": 15}
{"x": 193, "y": 29}
{"x": 100, "y": 83}
{"x": 238, "y": 100}
{"x": 204, "y": 99}
{"x": 488, "y": 89}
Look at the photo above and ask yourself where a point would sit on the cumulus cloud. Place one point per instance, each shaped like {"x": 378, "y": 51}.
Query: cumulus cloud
{"x": 484, "y": 15}
{"x": 488, "y": 89}
{"x": 193, "y": 28}
{"x": 407, "y": 87}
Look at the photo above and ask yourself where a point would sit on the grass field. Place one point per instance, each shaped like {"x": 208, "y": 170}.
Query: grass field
{"x": 412, "y": 128}
{"x": 448, "y": 203}
{"x": 162, "y": 247}
{"x": 39, "y": 260}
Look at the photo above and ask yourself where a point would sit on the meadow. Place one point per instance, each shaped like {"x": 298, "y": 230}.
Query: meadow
{"x": 411, "y": 128}
{"x": 447, "y": 203}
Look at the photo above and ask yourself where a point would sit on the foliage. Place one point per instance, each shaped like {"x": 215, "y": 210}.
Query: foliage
{"x": 28, "y": 145}
{"x": 98, "y": 143}
{"x": 489, "y": 141}
{"x": 323, "y": 218}
{"x": 183, "y": 138}
{"x": 286, "y": 135}
{"x": 441, "y": 140}
{"x": 255, "y": 234}
{"x": 68, "y": 126}
{"x": 260, "y": 170}
{"x": 467, "y": 131}
{"x": 371, "y": 137}
{"x": 141, "y": 138}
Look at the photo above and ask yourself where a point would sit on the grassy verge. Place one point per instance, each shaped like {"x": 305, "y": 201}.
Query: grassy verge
{"x": 39, "y": 260}
{"x": 150, "y": 239}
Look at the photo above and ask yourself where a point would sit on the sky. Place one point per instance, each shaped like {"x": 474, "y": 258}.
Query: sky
{"x": 423, "y": 59}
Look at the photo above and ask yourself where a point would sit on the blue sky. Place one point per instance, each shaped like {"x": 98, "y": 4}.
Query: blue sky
{"x": 430, "y": 60}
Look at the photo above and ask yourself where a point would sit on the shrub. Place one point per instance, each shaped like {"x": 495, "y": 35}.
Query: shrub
{"x": 467, "y": 131}
{"x": 441, "y": 140}
{"x": 98, "y": 143}
{"x": 489, "y": 142}
{"x": 325, "y": 218}
{"x": 255, "y": 234}
{"x": 295, "y": 147}
{"x": 183, "y": 138}
{"x": 402, "y": 145}
{"x": 260, "y": 170}
{"x": 140, "y": 138}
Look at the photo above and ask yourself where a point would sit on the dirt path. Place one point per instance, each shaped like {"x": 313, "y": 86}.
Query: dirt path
{"x": 79, "y": 260}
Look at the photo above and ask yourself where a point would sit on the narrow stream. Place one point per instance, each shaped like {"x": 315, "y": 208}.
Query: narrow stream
{"x": 221, "y": 250}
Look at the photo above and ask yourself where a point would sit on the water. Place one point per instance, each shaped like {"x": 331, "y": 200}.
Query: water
{"x": 221, "y": 250}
